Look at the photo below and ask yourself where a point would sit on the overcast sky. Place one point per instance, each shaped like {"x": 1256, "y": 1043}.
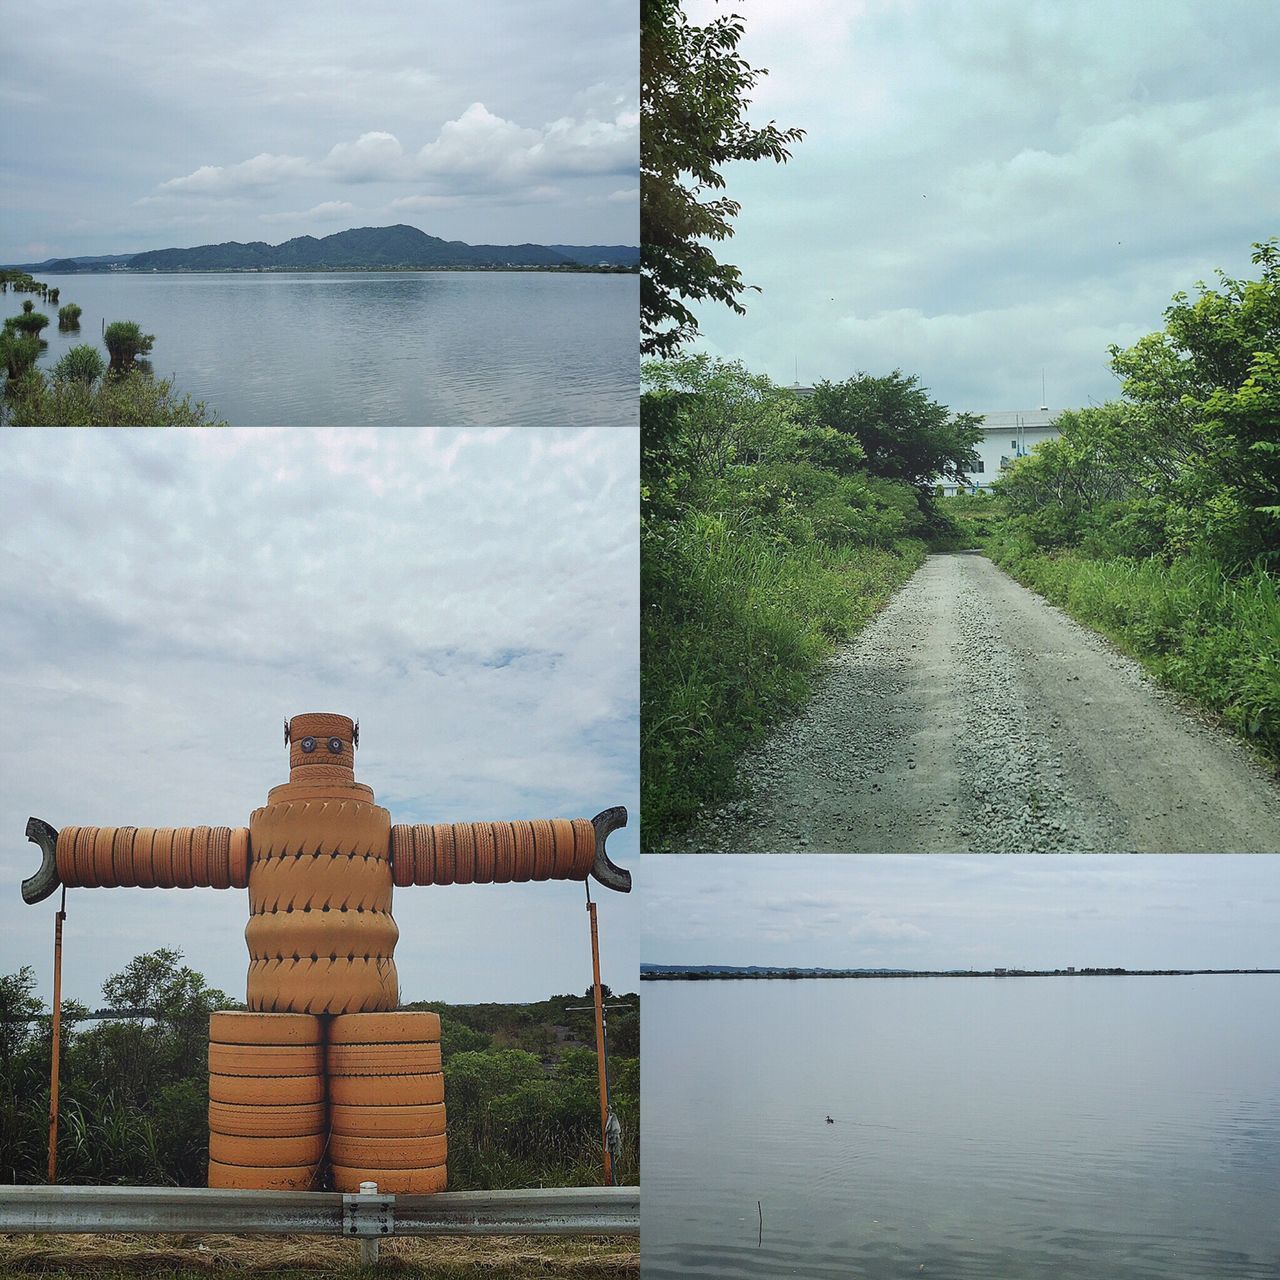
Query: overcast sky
{"x": 171, "y": 597}
{"x": 136, "y": 126}
{"x": 945, "y": 912}
{"x": 989, "y": 188}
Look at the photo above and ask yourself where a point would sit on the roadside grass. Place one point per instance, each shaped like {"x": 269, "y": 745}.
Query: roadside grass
{"x": 1207, "y": 634}
{"x": 734, "y": 626}
{"x": 55, "y": 1257}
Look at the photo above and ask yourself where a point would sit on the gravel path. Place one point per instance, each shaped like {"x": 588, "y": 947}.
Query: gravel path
{"x": 973, "y": 717}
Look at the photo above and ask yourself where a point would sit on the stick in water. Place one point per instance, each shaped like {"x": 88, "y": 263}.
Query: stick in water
{"x": 760, "y": 1237}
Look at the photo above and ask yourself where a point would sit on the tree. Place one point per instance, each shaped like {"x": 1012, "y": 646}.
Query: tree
{"x": 904, "y": 434}
{"x": 694, "y": 90}
{"x": 1206, "y": 398}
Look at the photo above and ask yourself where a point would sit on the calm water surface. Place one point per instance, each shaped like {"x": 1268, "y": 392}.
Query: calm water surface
{"x": 360, "y": 348}
{"x": 1099, "y": 1128}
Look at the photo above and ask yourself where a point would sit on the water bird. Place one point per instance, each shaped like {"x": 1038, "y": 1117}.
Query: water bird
{"x": 830, "y": 1120}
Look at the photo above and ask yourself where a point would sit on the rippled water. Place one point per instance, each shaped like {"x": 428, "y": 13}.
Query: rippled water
{"x": 439, "y": 348}
{"x": 1099, "y": 1128}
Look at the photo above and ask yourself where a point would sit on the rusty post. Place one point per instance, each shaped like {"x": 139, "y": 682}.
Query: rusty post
{"x": 601, "y": 1064}
{"x": 57, "y": 1038}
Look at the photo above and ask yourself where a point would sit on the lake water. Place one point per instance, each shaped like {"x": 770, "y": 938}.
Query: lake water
{"x": 998, "y": 1129}
{"x": 437, "y": 348}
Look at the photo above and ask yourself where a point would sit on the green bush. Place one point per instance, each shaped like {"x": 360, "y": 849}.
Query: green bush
{"x": 30, "y": 322}
{"x": 80, "y": 364}
{"x": 19, "y": 352}
{"x": 28, "y": 306}
{"x": 131, "y": 399}
{"x": 126, "y": 342}
{"x": 69, "y": 316}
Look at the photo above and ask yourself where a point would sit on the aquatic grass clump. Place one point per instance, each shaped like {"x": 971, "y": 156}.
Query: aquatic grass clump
{"x": 126, "y": 342}
{"x": 69, "y": 316}
{"x": 28, "y": 306}
{"x": 18, "y": 352}
{"x": 80, "y": 364}
{"x": 29, "y": 322}
{"x": 128, "y": 398}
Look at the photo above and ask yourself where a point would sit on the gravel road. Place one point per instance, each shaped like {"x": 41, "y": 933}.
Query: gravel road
{"x": 973, "y": 717}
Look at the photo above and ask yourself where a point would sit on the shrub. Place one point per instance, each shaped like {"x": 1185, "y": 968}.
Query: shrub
{"x": 80, "y": 364}
{"x": 69, "y": 316}
{"x": 130, "y": 399}
{"x": 19, "y": 352}
{"x": 28, "y": 305}
{"x": 30, "y": 322}
{"x": 126, "y": 342}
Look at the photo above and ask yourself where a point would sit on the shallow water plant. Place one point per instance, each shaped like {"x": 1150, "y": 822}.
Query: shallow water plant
{"x": 81, "y": 363}
{"x": 18, "y": 352}
{"x": 126, "y": 342}
{"x": 69, "y": 316}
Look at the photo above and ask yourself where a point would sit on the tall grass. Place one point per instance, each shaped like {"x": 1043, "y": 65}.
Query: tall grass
{"x": 734, "y": 625}
{"x": 1198, "y": 629}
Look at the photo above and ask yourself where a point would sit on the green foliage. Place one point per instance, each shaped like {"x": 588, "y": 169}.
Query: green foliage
{"x": 1189, "y": 462}
{"x": 135, "y": 1091}
{"x": 1212, "y": 635}
{"x": 126, "y": 342}
{"x": 28, "y": 322}
{"x": 28, "y": 306}
{"x": 694, "y": 96}
{"x": 19, "y": 352}
{"x": 903, "y": 434}
{"x": 69, "y": 316}
{"x": 766, "y": 538}
{"x": 80, "y": 364}
{"x": 131, "y": 399}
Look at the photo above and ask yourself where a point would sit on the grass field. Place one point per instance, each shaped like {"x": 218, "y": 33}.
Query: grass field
{"x": 286, "y": 1257}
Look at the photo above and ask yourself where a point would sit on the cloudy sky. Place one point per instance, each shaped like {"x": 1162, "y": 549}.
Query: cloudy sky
{"x": 171, "y": 597}
{"x": 989, "y": 188}
{"x": 1213, "y": 911}
{"x": 139, "y": 126}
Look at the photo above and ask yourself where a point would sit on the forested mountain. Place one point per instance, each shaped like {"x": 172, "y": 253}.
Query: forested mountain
{"x": 360, "y": 247}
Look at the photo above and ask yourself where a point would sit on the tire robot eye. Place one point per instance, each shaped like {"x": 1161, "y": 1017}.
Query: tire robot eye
{"x": 335, "y": 746}
{"x": 308, "y": 745}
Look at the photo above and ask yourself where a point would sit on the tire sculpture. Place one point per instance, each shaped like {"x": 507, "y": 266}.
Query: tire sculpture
{"x": 323, "y": 1075}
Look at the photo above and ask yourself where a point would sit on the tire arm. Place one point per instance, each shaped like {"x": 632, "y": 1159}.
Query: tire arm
{"x": 222, "y": 863}
{"x": 435, "y": 854}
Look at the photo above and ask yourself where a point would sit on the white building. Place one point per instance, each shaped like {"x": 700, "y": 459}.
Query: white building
{"x": 1005, "y": 436}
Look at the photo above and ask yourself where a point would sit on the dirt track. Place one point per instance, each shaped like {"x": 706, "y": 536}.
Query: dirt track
{"x": 973, "y": 717}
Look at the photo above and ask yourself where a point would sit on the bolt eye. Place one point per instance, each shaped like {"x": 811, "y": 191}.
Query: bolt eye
{"x": 308, "y": 745}
{"x": 335, "y": 746}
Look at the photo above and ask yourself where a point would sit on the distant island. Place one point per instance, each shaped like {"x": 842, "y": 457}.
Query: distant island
{"x": 398, "y": 248}
{"x": 708, "y": 972}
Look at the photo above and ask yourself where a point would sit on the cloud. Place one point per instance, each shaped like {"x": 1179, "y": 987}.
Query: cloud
{"x": 325, "y": 211}
{"x": 372, "y": 157}
{"x": 261, "y": 171}
{"x": 478, "y": 152}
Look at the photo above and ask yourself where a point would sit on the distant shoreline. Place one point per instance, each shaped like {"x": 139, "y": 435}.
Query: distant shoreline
{"x": 800, "y": 975}
{"x": 551, "y": 268}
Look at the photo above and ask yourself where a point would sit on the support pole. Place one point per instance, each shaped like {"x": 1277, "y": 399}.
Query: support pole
{"x": 55, "y": 1060}
{"x": 368, "y": 1245}
{"x": 601, "y": 1064}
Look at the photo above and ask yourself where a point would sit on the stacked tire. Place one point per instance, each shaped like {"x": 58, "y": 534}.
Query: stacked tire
{"x": 387, "y": 1113}
{"x": 268, "y": 1125}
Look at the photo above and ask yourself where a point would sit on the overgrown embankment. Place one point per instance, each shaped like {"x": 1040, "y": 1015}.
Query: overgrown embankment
{"x": 773, "y": 529}
{"x": 1208, "y": 634}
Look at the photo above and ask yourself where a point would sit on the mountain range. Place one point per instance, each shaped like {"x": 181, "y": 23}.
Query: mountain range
{"x": 357, "y": 249}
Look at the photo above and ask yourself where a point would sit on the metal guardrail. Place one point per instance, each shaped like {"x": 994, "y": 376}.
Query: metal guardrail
{"x": 562, "y": 1211}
